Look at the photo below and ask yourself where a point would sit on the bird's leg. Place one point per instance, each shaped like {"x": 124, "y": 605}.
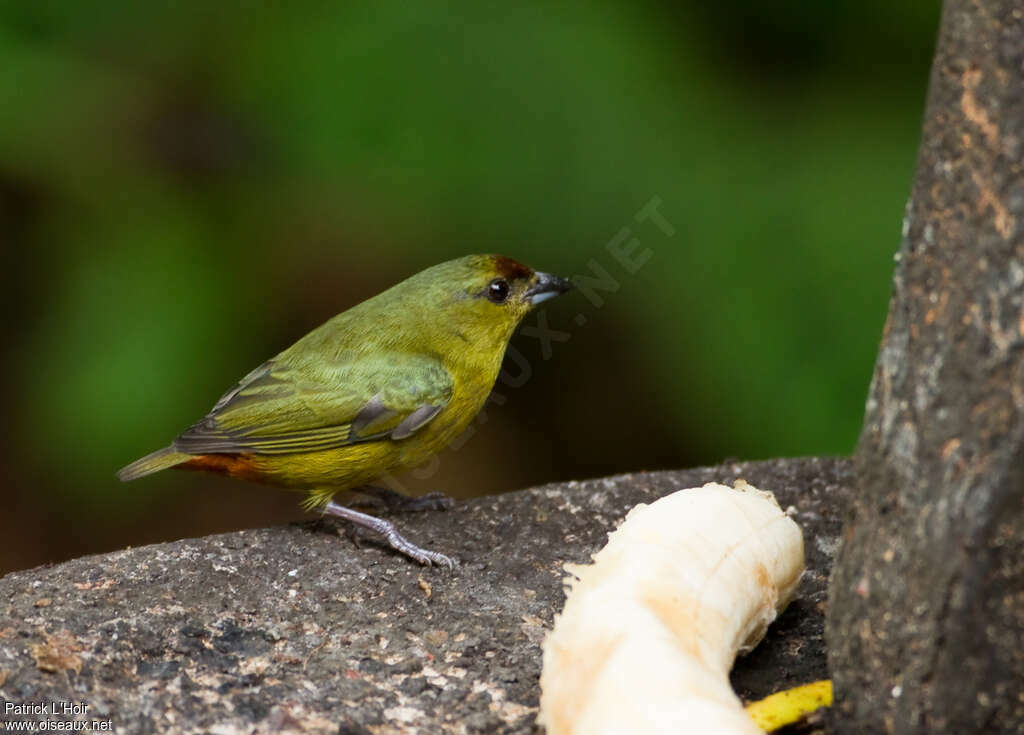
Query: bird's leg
{"x": 393, "y": 500}
{"x": 388, "y": 531}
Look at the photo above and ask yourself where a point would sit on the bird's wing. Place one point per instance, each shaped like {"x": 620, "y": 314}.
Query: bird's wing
{"x": 282, "y": 409}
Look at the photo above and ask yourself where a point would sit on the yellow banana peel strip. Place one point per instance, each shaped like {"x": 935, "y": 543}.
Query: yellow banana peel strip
{"x": 789, "y": 706}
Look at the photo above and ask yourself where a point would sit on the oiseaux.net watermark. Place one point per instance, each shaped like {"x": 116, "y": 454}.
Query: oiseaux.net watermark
{"x": 625, "y": 254}
{"x": 50, "y": 716}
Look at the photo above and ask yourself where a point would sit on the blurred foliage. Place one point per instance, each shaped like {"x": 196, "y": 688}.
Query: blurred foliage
{"x": 186, "y": 188}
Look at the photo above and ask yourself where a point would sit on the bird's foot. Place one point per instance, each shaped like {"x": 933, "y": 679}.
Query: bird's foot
{"x": 390, "y": 533}
{"x": 396, "y": 501}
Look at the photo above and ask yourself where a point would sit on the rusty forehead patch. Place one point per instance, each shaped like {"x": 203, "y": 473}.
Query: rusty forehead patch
{"x": 510, "y": 268}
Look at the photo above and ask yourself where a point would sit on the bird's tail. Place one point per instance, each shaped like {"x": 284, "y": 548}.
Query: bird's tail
{"x": 159, "y": 460}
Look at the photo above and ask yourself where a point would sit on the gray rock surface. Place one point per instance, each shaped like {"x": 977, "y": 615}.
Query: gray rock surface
{"x": 926, "y": 616}
{"x": 296, "y": 629}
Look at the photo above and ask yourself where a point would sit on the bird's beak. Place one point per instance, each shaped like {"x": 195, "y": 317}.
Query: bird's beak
{"x": 545, "y": 287}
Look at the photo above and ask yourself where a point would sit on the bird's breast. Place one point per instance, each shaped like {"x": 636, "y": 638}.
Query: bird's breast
{"x": 468, "y": 398}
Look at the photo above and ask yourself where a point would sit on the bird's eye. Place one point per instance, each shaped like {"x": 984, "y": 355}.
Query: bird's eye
{"x": 497, "y": 291}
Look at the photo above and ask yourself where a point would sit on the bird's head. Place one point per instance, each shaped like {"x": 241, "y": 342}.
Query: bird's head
{"x": 482, "y": 298}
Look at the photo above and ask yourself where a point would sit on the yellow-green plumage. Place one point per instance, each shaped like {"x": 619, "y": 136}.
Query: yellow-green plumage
{"x": 374, "y": 390}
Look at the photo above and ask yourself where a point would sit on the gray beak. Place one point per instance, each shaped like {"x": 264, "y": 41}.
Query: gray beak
{"x": 546, "y": 287}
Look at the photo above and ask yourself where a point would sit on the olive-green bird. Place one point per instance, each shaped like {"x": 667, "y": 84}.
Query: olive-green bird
{"x": 374, "y": 390}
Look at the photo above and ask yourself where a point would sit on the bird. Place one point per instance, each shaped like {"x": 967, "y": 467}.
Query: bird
{"x": 374, "y": 390}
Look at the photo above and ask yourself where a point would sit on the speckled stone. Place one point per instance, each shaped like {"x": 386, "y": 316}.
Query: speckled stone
{"x": 295, "y": 629}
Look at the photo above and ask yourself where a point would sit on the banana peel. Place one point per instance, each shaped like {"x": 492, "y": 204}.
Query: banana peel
{"x": 790, "y": 706}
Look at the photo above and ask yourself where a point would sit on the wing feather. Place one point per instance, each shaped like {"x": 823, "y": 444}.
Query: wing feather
{"x": 290, "y": 409}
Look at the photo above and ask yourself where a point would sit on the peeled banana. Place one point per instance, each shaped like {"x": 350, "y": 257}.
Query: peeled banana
{"x": 650, "y": 629}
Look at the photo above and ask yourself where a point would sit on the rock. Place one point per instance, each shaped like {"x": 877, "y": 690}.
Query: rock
{"x": 295, "y": 629}
{"x": 926, "y": 616}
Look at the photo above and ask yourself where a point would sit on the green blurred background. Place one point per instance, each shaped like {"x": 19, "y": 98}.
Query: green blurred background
{"x": 186, "y": 188}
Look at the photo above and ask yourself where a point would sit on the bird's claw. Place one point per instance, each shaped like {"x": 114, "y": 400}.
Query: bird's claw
{"x": 387, "y": 529}
{"x": 426, "y": 557}
{"x": 432, "y": 501}
{"x": 433, "y": 558}
{"x": 396, "y": 501}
